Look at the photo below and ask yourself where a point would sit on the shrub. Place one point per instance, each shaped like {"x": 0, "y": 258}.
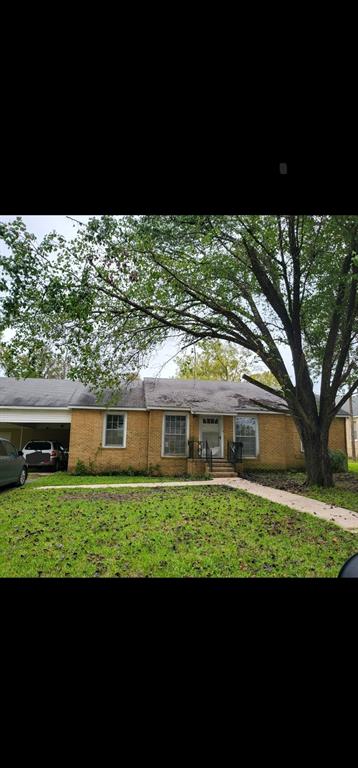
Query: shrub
{"x": 339, "y": 461}
{"x": 120, "y": 471}
{"x": 154, "y": 470}
{"x": 80, "y": 468}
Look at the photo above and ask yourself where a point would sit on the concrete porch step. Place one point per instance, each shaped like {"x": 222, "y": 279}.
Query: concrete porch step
{"x": 220, "y": 467}
{"x": 217, "y": 474}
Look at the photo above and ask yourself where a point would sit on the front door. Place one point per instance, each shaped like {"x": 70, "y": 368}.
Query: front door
{"x": 211, "y": 432}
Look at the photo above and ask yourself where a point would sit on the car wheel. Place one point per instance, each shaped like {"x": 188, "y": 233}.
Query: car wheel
{"x": 57, "y": 466}
{"x": 22, "y": 478}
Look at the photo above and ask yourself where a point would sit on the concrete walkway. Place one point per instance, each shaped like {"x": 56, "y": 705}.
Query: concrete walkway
{"x": 345, "y": 518}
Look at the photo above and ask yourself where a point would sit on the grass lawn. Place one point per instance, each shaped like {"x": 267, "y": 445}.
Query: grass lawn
{"x": 352, "y": 465}
{"x": 62, "y": 478}
{"x": 344, "y": 493}
{"x": 199, "y": 531}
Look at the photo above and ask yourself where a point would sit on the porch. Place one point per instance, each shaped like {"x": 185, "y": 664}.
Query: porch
{"x": 203, "y": 459}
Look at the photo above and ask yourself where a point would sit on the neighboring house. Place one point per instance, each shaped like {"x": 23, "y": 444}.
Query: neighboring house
{"x": 355, "y": 426}
{"x": 151, "y": 423}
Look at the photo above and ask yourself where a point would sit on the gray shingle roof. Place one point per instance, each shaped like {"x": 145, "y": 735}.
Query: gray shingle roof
{"x": 221, "y": 397}
{"x": 207, "y": 396}
{"x": 63, "y": 393}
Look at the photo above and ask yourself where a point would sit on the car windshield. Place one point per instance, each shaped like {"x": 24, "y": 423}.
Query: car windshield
{"x": 36, "y": 445}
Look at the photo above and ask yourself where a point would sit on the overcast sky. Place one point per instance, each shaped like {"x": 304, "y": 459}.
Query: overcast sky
{"x": 161, "y": 364}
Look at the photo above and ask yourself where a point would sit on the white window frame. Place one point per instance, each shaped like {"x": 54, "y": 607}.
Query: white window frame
{"x": 114, "y": 447}
{"x": 249, "y": 416}
{"x": 175, "y": 455}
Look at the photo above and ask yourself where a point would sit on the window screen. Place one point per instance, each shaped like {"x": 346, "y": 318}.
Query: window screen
{"x": 246, "y": 433}
{"x": 115, "y": 430}
{"x": 175, "y": 435}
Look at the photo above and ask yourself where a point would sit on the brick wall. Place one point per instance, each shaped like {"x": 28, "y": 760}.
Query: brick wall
{"x": 168, "y": 465}
{"x": 338, "y": 435}
{"x": 279, "y": 443}
{"x": 143, "y": 444}
{"x": 279, "y": 446}
{"x": 86, "y": 441}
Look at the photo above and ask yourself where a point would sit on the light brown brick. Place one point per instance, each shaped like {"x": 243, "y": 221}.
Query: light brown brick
{"x": 279, "y": 442}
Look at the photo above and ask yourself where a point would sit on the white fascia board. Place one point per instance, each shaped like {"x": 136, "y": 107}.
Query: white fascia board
{"x": 236, "y": 413}
{"x": 102, "y": 408}
{"x": 34, "y": 408}
{"x": 167, "y": 408}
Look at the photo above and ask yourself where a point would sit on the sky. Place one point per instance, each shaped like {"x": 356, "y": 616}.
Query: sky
{"x": 161, "y": 364}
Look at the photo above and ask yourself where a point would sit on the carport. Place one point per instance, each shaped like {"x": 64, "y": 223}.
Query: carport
{"x": 40, "y": 409}
{"x": 21, "y": 425}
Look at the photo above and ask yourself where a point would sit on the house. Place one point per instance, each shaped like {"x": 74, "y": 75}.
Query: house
{"x": 174, "y": 425}
{"x": 355, "y": 426}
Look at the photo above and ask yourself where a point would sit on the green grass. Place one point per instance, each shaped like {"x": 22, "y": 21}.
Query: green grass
{"x": 339, "y": 497}
{"x": 343, "y": 494}
{"x": 199, "y": 531}
{"x": 62, "y": 478}
{"x": 352, "y": 465}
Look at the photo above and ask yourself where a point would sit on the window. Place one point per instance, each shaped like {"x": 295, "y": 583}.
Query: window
{"x": 10, "y": 449}
{"x": 246, "y": 432}
{"x": 3, "y": 451}
{"x": 114, "y": 430}
{"x": 175, "y": 437}
{"x": 37, "y": 445}
{"x": 210, "y": 420}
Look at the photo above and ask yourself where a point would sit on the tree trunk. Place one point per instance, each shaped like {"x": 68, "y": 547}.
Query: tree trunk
{"x": 318, "y": 466}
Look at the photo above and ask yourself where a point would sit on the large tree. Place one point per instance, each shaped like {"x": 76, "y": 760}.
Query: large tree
{"x": 261, "y": 282}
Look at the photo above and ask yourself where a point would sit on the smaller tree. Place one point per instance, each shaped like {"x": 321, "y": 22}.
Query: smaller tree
{"x": 39, "y": 362}
{"x": 214, "y": 360}
{"x": 266, "y": 377}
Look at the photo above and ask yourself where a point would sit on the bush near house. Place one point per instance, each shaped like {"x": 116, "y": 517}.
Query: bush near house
{"x": 339, "y": 461}
{"x": 90, "y": 469}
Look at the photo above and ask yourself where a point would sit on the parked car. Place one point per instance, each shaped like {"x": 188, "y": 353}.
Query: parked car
{"x": 45, "y": 453}
{"x": 13, "y": 467}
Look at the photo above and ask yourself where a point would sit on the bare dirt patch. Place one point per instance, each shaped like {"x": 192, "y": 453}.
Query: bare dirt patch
{"x": 116, "y": 496}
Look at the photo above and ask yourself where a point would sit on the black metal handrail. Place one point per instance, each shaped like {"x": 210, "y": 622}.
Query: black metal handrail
{"x": 234, "y": 452}
{"x": 209, "y": 456}
{"x": 199, "y": 449}
{"x": 196, "y": 449}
